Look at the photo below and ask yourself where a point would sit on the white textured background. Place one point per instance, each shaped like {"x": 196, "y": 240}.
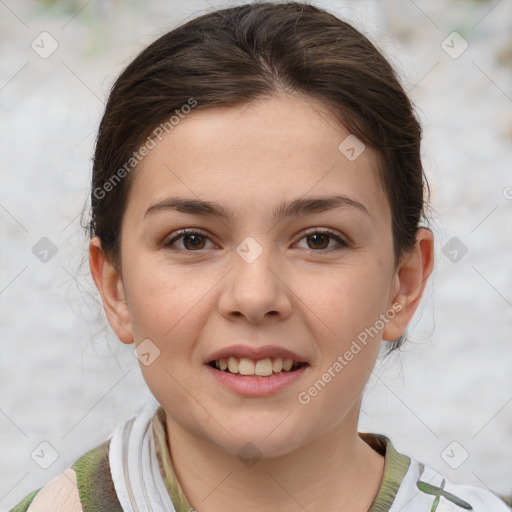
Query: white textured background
{"x": 66, "y": 380}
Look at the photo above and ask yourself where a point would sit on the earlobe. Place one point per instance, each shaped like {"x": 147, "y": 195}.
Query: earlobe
{"x": 410, "y": 281}
{"x": 110, "y": 285}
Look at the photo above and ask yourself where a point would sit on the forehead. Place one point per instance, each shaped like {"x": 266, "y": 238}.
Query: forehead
{"x": 250, "y": 155}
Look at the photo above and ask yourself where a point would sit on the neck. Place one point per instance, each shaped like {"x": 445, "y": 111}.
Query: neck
{"x": 334, "y": 469}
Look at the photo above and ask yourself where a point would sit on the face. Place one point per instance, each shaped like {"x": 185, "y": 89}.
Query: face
{"x": 263, "y": 280}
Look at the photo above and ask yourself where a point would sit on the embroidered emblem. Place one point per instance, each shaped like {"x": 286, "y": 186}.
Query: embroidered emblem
{"x": 439, "y": 492}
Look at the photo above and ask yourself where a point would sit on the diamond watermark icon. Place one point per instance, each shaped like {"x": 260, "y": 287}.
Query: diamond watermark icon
{"x": 44, "y": 455}
{"x": 455, "y": 455}
{"x": 44, "y": 250}
{"x": 44, "y": 45}
{"x": 454, "y": 249}
{"x": 146, "y": 352}
{"x": 249, "y": 454}
{"x": 454, "y": 45}
{"x": 249, "y": 250}
{"x": 351, "y": 147}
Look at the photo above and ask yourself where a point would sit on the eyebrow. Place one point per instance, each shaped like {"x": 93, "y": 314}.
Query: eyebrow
{"x": 295, "y": 207}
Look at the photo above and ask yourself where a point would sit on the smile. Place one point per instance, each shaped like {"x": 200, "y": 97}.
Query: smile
{"x": 240, "y": 375}
{"x": 261, "y": 368}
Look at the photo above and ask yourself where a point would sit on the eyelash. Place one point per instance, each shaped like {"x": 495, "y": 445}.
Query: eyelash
{"x": 183, "y": 232}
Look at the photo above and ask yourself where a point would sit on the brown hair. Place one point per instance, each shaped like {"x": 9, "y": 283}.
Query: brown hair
{"x": 235, "y": 55}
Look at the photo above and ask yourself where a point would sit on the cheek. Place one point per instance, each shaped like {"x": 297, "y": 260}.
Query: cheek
{"x": 167, "y": 310}
{"x": 166, "y": 304}
{"x": 349, "y": 301}
{"x": 344, "y": 324}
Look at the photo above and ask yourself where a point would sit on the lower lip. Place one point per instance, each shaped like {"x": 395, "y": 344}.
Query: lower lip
{"x": 257, "y": 386}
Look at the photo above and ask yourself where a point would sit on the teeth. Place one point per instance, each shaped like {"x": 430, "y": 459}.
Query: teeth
{"x": 277, "y": 365}
{"x": 232, "y": 365}
{"x": 245, "y": 367}
{"x": 287, "y": 364}
{"x": 262, "y": 367}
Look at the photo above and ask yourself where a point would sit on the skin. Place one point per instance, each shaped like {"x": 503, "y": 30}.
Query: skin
{"x": 313, "y": 296}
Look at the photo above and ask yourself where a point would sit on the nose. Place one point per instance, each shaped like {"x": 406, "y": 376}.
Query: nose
{"x": 256, "y": 289}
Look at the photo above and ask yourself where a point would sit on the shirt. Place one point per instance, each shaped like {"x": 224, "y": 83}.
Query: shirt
{"x": 407, "y": 484}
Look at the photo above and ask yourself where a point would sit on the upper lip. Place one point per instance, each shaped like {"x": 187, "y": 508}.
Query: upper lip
{"x": 255, "y": 353}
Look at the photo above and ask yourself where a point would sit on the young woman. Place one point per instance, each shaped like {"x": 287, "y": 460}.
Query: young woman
{"x": 257, "y": 200}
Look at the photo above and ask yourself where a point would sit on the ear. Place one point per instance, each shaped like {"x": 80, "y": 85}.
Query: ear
{"x": 411, "y": 277}
{"x": 110, "y": 285}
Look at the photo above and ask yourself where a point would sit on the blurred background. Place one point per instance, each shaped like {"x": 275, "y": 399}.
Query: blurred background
{"x": 66, "y": 382}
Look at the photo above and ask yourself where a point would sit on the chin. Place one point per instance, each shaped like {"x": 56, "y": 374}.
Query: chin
{"x": 256, "y": 443}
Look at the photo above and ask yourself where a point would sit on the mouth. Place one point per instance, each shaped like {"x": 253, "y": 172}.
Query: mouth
{"x": 245, "y": 367}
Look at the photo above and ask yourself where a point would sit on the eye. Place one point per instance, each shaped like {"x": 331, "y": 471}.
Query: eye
{"x": 192, "y": 240}
{"x": 320, "y": 239}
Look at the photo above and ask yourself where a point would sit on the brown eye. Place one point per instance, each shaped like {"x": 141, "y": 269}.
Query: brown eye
{"x": 192, "y": 241}
{"x": 196, "y": 241}
{"x": 319, "y": 240}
